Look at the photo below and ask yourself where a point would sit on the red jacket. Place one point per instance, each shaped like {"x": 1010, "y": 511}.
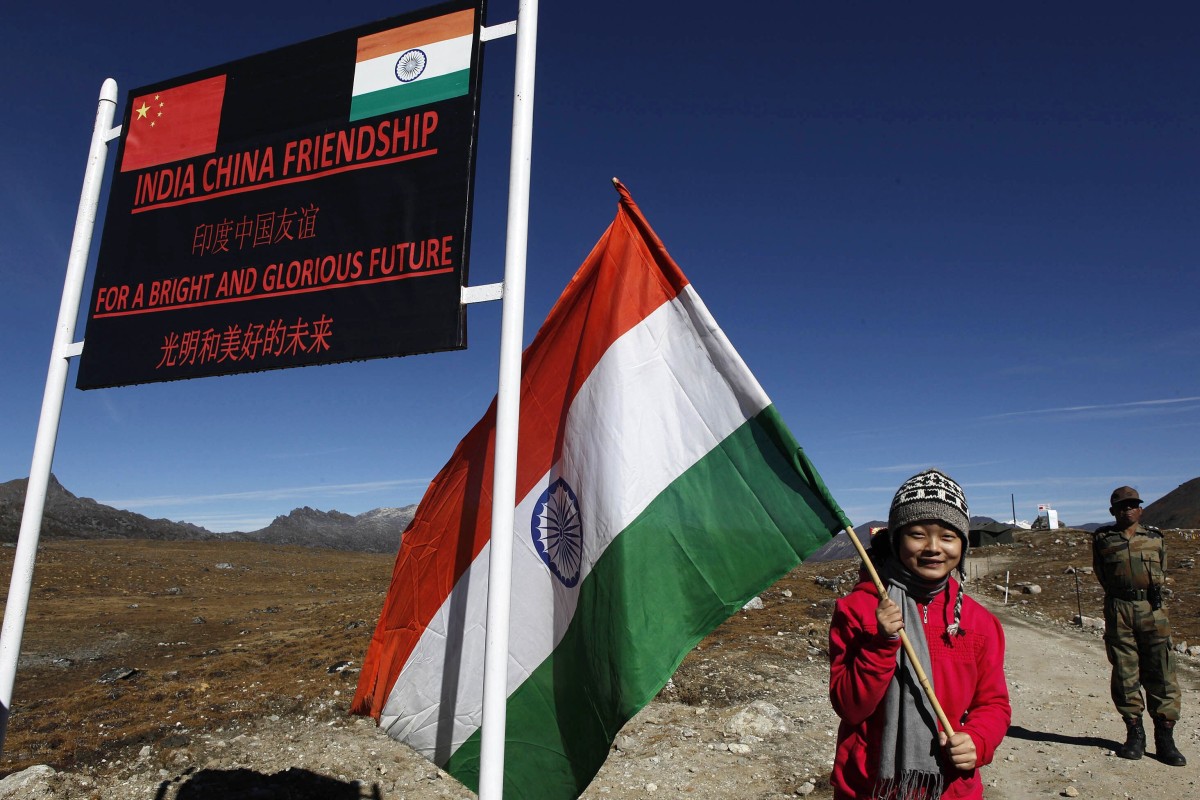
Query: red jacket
{"x": 968, "y": 678}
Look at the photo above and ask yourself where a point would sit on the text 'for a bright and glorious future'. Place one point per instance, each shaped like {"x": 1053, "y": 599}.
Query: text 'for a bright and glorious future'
{"x": 389, "y": 262}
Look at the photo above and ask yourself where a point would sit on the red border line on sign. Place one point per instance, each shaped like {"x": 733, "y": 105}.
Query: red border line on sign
{"x": 305, "y": 290}
{"x": 285, "y": 181}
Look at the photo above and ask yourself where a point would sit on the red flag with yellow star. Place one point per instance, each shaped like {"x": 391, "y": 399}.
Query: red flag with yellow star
{"x": 174, "y": 124}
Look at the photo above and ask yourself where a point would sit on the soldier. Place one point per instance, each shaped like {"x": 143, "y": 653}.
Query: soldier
{"x": 1129, "y": 559}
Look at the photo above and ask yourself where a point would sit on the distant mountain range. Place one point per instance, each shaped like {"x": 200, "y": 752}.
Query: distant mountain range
{"x": 69, "y": 517}
{"x": 378, "y": 531}
{"x": 840, "y": 546}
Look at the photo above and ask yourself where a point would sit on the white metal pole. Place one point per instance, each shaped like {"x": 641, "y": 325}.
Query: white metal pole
{"x": 52, "y": 401}
{"x": 504, "y": 469}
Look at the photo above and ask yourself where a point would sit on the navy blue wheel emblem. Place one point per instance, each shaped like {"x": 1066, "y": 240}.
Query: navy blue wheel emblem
{"x": 410, "y": 65}
{"x": 557, "y": 529}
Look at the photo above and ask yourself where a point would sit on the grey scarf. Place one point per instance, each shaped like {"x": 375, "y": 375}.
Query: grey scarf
{"x": 909, "y": 767}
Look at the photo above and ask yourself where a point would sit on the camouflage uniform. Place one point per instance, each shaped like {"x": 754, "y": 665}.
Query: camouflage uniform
{"x": 1137, "y": 636}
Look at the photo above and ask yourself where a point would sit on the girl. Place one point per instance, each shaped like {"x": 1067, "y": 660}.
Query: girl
{"x": 890, "y": 744}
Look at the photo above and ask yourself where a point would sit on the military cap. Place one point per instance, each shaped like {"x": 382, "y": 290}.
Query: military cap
{"x": 1124, "y": 494}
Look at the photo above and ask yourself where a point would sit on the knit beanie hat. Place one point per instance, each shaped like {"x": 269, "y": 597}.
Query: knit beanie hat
{"x": 934, "y": 495}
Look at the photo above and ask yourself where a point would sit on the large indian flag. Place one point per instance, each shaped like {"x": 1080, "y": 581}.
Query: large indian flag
{"x": 413, "y": 65}
{"x": 658, "y": 491}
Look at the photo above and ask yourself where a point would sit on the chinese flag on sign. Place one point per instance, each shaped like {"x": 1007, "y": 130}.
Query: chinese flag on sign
{"x": 174, "y": 124}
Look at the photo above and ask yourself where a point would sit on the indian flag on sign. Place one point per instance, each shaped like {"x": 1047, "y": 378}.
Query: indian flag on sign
{"x": 413, "y": 65}
{"x": 658, "y": 490}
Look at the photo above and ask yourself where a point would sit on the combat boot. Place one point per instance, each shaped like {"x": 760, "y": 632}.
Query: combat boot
{"x": 1135, "y": 739}
{"x": 1164, "y": 743}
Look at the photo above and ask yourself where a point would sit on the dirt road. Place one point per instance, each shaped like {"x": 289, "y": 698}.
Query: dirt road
{"x": 1064, "y": 727}
{"x": 747, "y": 717}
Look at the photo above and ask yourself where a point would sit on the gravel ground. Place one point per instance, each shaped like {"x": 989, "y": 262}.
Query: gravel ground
{"x": 747, "y": 716}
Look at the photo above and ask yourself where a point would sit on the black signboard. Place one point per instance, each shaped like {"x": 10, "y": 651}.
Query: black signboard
{"x": 309, "y": 205}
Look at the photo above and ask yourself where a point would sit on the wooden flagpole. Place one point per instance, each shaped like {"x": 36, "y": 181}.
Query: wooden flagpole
{"x": 908, "y": 648}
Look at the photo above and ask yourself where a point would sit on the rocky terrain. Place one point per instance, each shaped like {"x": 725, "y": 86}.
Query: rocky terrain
{"x": 179, "y": 671}
{"x": 69, "y": 517}
{"x": 375, "y": 531}
{"x": 1179, "y": 508}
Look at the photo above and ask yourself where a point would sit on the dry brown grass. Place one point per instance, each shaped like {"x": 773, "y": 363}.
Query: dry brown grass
{"x": 1044, "y": 558}
{"x": 212, "y": 646}
{"x": 276, "y": 622}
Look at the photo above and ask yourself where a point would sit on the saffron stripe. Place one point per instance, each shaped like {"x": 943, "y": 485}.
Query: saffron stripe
{"x": 646, "y": 414}
{"x": 397, "y": 40}
{"x": 626, "y": 277}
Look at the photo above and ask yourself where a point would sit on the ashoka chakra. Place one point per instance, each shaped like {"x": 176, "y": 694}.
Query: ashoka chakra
{"x": 557, "y": 530}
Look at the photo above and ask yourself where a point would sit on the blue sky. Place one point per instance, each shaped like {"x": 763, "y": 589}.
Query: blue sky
{"x": 939, "y": 234}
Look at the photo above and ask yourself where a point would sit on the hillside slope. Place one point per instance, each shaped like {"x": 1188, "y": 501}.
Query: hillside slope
{"x": 1179, "y": 508}
{"x": 69, "y": 517}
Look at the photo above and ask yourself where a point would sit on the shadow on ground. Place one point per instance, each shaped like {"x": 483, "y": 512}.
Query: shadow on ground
{"x": 246, "y": 784}
{"x": 1017, "y": 732}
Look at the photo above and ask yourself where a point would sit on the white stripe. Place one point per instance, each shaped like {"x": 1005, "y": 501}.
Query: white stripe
{"x": 659, "y": 400}
{"x": 444, "y": 57}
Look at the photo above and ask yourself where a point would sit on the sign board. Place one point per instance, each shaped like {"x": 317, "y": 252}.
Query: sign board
{"x": 1051, "y": 515}
{"x": 305, "y": 206}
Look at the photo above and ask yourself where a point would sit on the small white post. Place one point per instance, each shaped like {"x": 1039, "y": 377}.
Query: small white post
{"x": 1006, "y": 574}
{"x": 508, "y": 402}
{"x": 52, "y": 401}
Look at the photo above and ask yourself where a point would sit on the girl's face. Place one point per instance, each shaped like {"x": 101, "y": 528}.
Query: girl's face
{"x": 929, "y": 549}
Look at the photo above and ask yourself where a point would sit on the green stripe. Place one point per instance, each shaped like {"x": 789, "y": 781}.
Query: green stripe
{"x": 696, "y": 555}
{"x": 409, "y": 95}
